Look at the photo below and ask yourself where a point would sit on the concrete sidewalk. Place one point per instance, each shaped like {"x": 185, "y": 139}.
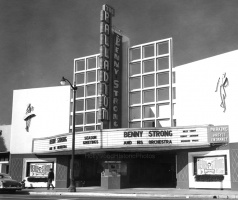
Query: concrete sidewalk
{"x": 137, "y": 192}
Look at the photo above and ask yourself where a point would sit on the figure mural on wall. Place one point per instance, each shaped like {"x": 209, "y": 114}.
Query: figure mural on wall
{"x": 29, "y": 115}
{"x": 222, "y": 83}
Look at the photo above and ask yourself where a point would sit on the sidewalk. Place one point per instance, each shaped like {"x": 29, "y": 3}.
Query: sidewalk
{"x": 137, "y": 192}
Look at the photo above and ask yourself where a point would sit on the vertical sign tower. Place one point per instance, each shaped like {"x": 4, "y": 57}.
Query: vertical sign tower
{"x": 110, "y": 71}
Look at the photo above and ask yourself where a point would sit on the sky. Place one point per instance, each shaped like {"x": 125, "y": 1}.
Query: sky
{"x": 39, "y": 39}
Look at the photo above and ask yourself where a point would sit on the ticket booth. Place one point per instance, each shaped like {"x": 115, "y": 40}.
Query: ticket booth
{"x": 114, "y": 175}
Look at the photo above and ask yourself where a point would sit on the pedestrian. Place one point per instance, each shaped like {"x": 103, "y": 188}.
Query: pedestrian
{"x": 50, "y": 178}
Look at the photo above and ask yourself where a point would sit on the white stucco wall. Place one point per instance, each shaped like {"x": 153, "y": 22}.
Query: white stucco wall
{"x": 52, "y": 110}
{"x": 197, "y": 101}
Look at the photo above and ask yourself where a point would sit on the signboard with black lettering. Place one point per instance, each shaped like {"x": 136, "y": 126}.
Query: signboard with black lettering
{"x": 218, "y": 134}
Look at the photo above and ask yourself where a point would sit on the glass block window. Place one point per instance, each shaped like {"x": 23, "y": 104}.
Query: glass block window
{"x": 86, "y": 77}
{"x": 152, "y": 89}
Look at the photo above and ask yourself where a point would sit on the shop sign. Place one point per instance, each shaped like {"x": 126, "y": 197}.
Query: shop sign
{"x": 218, "y": 134}
{"x": 40, "y": 169}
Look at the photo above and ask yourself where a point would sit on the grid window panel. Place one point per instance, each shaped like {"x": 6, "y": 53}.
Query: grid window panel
{"x": 135, "y": 83}
{"x": 79, "y": 105}
{"x": 148, "y": 81}
{"x": 79, "y": 78}
{"x": 148, "y": 96}
{"x": 148, "y": 111}
{"x": 79, "y": 118}
{"x": 135, "y": 125}
{"x": 91, "y": 63}
{"x": 135, "y": 53}
{"x": 150, "y": 123}
{"x": 148, "y": 51}
{"x": 135, "y": 68}
{"x": 91, "y": 76}
{"x": 80, "y": 91}
{"x": 148, "y": 66}
{"x": 90, "y": 118}
{"x": 163, "y": 123}
{"x": 163, "y": 94}
{"x": 135, "y": 113}
{"x": 163, "y": 110}
{"x": 91, "y": 90}
{"x": 163, "y": 63}
{"x": 135, "y": 98}
{"x": 163, "y": 48}
{"x": 162, "y": 78}
{"x": 80, "y": 65}
{"x": 90, "y": 103}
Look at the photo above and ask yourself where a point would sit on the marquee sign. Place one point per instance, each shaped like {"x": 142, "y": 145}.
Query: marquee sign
{"x": 126, "y": 138}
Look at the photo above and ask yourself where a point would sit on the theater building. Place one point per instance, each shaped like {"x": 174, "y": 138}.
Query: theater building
{"x": 140, "y": 121}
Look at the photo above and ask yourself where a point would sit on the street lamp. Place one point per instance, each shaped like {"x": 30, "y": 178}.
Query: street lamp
{"x": 72, "y": 187}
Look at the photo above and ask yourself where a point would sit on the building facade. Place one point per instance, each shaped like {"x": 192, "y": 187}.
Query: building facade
{"x": 140, "y": 121}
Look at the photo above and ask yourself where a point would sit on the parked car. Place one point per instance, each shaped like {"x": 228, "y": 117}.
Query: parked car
{"x": 8, "y": 184}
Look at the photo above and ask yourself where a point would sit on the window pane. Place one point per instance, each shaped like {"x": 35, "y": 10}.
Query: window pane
{"x": 148, "y": 51}
{"x": 80, "y": 65}
{"x": 148, "y": 111}
{"x": 78, "y": 129}
{"x": 90, "y": 118}
{"x": 91, "y": 90}
{"x": 80, "y": 92}
{"x": 162, "y": 78}
{"x": 91, "y": 63}
{"x": 162, "y": 63}
{"x": 163, "y": 110}
{"x": 134, "y": 68}
{"x": 135, "y": 54}
{"x": 174, "y": 93}
{"x": 91, "y": 76}
{"x": 135, "y": 113}
{"x": 89, "y": 128}
{"x": 163, "y": 123}
{"x": 148, "y": 66}
{"x": 135, "y": 125}
{"x": 79, "y": 78}
{"x": 90, "y": 104}
{"x": 163, "y": 48}
{"x": 163, "y": 94}
{"x": 148, "y": 96}
{"x": 135, "y": 98}
{"x": 79, "y": 119}
{"x": 134, "y": 83}
{"x": 174, "y": 77}
{"x": 148, "y": 81}
{"x": 79, "y": 105}
{"x": 148, "y": 124}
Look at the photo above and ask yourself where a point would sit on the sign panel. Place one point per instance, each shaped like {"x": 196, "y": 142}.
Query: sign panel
{"x": 218, "y": 134}
{"x": 40, "y": 169}
{"x": 154, "y": 138}
{"x": 210, "y": 165}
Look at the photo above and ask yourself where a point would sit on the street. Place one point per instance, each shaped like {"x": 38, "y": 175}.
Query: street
{"x": 8, "y": 196}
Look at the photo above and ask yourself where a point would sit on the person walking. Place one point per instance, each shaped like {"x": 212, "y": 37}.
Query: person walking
{"x": 50, "y": 178}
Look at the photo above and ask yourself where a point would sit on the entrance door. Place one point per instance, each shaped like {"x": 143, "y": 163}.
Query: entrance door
{"x": 158, "y": 172}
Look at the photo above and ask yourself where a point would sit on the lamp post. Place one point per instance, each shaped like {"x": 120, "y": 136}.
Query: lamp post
{"x": 72, "y": 187}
